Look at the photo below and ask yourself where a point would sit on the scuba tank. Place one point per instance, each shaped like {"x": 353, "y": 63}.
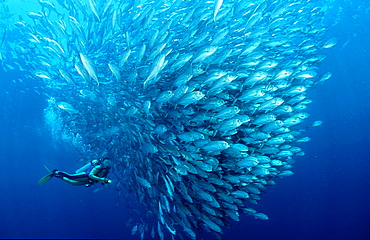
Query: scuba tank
{"x": 87, "y": 166}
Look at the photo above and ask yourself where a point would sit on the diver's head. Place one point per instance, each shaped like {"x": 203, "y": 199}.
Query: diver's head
{"x": 105, "y": 162}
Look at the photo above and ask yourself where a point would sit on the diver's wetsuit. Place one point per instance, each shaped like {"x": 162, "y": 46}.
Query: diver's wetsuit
{"x": 74, "y": 179}
{"x": 98, "y": 173}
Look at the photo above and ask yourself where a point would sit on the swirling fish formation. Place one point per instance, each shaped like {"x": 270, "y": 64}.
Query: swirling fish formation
{"x": 197, "y": 103}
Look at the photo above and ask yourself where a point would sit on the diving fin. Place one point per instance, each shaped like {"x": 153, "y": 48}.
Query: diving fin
{"x": 46, "y": 178}
{"x": 47, "y": 169}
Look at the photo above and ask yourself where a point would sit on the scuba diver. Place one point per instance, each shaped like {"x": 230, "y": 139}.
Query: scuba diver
{"x": 90, "y": 174}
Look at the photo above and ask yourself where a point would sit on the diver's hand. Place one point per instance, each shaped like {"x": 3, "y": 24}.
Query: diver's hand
{"x": 107, "y": 181}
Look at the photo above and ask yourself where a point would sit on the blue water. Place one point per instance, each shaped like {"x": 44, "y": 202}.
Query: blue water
{"x": 328, "y": 197}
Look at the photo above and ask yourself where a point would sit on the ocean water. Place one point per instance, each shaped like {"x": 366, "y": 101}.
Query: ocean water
{"x": 328, "y": 197}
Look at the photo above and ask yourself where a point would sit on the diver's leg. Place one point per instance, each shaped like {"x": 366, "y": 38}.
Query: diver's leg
{"x": 60, "y": 174}
{"x": 73, "y": 182}
{"x": 77, "y": 176}
{"x": 69, "y": 178}
{"x": 74, "y": 179}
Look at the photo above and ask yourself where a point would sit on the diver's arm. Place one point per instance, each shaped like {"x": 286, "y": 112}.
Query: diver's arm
{"x": 93, "y": 173}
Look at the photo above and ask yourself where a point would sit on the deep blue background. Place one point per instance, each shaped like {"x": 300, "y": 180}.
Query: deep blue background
{"x": 328, "y": 197}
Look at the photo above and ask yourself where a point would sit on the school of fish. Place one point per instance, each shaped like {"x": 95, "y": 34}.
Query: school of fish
{"x": 198, "y": 104}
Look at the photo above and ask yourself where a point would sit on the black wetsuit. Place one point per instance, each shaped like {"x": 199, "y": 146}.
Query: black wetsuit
{"x": 98, "y": 173}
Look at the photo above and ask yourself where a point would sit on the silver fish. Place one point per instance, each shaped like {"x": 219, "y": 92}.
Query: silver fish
{"x": 89, "y": 66}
